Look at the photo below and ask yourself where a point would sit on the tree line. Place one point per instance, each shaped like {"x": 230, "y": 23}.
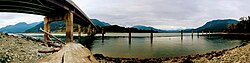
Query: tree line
{"x": 242, "y": 27}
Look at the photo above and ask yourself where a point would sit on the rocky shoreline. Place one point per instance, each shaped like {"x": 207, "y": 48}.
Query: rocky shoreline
{"x": 14, "y": 49}
{"x": 226, "y": 55}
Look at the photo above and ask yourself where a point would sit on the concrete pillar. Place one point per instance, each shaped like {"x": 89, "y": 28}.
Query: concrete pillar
{"x": 69, "y": 27}
{"x": 47, "y": 29}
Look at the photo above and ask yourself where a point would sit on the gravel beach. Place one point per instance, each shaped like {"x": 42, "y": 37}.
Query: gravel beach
{"x": 20, "y": 50}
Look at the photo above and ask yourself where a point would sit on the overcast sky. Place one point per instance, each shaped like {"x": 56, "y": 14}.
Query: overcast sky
{"x": 162, "y": 14}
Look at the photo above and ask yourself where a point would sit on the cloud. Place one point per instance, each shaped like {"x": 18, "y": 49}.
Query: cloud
{"x": 162, "y": 14}
{"x": 14, "y": 18}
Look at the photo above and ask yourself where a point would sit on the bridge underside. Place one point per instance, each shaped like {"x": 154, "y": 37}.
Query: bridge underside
{"x": 53, "y": 10}
{"x": 57, "y": 10}
{"x": 45, "y": 8}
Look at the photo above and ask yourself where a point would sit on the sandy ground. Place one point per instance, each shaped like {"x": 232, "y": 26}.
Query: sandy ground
{"x": 20, "y": 50}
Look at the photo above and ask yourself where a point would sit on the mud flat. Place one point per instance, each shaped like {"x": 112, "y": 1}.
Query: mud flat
{"x": 239, "y": 53}
{"x": 15, "y": 49}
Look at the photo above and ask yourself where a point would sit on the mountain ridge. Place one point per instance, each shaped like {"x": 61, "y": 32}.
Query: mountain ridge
{"x": 17, "y": 28}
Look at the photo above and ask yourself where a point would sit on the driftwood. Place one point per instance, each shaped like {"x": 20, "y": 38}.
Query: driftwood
{"x": 52, "y": 36}
{"x": 54, "y": 44}
{"x": 49, "y": 51}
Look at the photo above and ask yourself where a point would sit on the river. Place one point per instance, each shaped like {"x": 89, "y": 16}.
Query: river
{"x": 162, "y": 44}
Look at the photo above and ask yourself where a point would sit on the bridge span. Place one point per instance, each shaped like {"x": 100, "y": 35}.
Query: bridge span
{"x": 55, "y": 10}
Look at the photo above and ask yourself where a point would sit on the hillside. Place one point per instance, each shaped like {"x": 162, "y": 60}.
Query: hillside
{"x": 141, "y": 27}
{"x": 99, "y": 23}
{"x": 217, "y": 25}
{"x": 116, "y": 28}
{"x": 19, "y": 27}
{"x": 59, "y": 26}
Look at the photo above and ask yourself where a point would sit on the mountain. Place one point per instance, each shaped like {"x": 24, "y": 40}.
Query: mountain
{"x": 60, "y": 26}
{"x": 19, "y": 27}
{"x": 117, "y": 28}
{"x": 217, "y": 25}
{"x": 99, "y": 23}
{"x": 213, "y": 26}
{"x": 141, "y": 27}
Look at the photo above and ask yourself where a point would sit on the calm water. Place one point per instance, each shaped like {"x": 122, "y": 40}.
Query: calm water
{"x": 162, "y": 45}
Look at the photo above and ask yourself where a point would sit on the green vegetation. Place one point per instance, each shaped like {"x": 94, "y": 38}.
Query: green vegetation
{"x": 242, "y": 27}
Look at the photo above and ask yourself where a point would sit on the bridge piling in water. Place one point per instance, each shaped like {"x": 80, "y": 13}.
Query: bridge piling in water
{"x": 79, "y": 30}
{"x": 129, "y": 35}
{"x": 47, "y": 29}
{"x": 192, "y": 33}
{"x": 68, "y": 17}
{"x": 181, "y": 34}
{"x": 151, "y": 36}
{"x": 69, "y": 26}
{"x": 103, "y": 32}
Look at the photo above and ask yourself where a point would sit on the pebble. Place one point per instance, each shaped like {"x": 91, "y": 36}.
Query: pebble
{"x": 19, "y": 50}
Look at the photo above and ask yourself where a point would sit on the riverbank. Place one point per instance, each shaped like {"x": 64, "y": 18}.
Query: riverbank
{"x": 236, "y": 54}
{"x": 15, "y": 49}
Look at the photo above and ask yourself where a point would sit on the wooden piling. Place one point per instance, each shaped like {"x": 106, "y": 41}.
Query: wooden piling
{"x": 197, "y": 33}
{"x": 79, "y": 30}
{"x": 47, "y": 29}
{"x": 192, "y": 33}
{"x": 103, "y": 32}
{"x": 69, "y": 26}
{"x": 129, "y": 35}
{"x": 151, "y": 35}
{"x": 181, "y": 34}
{"x": 202, "y": 33}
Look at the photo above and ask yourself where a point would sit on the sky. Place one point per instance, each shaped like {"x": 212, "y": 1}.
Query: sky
{"x": 161, "y": 14}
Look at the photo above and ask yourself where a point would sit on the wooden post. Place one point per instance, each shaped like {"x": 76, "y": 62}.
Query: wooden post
{"x": 192, "y": 33}
{"x": 79, "y": 30}
{"x": 151, "y": 36}
{"x": 181, "y": 34}
{"x": 69, "y": 26}
{"x": 202, "y": 32}
{"x": 79, "y": 33}
{"x": 197, "y": 33}
{"x": 103, "y": 32}
{"x": 129, "y": 35}
{"x": 47, "y": 29}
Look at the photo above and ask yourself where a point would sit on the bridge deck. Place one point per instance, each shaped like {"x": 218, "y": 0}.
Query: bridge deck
{"x": 70, "y": 53}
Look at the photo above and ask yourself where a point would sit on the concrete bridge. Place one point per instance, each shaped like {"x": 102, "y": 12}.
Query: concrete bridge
{"x": 56, "y": 10}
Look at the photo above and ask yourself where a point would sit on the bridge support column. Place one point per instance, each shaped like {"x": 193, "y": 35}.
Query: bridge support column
{"x": 47, "y": 29}
{"x": 69, "y": 27}
{"x": 79, "y": 30}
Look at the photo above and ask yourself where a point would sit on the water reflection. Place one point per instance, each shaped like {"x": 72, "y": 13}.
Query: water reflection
{"x": 161, "y": 45}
